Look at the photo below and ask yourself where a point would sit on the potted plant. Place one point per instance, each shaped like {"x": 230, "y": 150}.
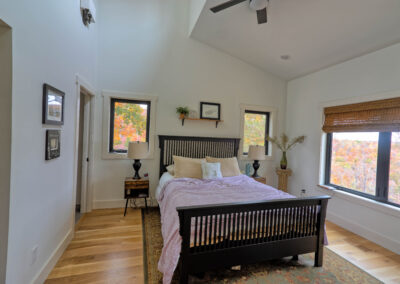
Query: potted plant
{"x": 182, "y": 111}
{"x": 285, "y": 145}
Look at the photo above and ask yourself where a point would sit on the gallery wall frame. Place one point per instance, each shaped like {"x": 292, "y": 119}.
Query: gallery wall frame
{"x": 53, "y": 105}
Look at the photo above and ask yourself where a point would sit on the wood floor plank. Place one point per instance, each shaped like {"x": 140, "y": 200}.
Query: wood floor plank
{"x": 107, "y": 248}
{"x": 376, "y": 260}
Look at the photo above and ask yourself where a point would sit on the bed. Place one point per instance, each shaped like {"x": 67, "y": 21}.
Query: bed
{"x": 211, "y": 224}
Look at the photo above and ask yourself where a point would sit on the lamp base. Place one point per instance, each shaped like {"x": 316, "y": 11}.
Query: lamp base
{"x": 136, "y": 167}
{"x": 256, "y": 165}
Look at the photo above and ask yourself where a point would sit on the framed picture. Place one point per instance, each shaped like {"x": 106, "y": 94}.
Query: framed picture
{"x": 210, "y": 110}
{"x": 52, "y": 144}
{"x": 53, "y": 105}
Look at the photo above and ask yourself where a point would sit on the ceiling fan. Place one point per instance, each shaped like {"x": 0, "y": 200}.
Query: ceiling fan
{"x": 257, "y": 5}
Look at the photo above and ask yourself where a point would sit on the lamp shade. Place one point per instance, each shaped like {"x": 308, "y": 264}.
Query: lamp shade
{"x": 256, "y": 152}
{"x": 137, "y": 150}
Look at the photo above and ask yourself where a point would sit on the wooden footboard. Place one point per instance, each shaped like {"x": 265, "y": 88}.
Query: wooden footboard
{"x": 225, "y": 235}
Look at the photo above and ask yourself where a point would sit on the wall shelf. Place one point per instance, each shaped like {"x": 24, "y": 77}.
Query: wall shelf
{"x": 201, "y": 119}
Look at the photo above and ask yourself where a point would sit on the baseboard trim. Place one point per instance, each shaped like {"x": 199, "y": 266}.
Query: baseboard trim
{"x": 365, "y": 232}
{"x": 52, "y": 261}
{"x": 120, "y": 203}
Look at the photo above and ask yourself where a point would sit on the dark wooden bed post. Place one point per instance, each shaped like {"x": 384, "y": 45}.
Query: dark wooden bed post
{"x": 319, "y": 253}
{"x": 185, "y": 233}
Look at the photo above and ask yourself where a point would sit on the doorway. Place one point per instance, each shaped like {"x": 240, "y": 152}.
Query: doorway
{"x": 83, "y": 149}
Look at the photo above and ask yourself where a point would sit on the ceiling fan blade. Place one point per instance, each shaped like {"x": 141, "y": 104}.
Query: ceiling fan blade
{"x": 262, "y": 16}
{"x": 225, "y": 5}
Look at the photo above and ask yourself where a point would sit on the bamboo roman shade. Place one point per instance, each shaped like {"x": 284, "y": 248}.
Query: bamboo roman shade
{"x": 373, "y": 116}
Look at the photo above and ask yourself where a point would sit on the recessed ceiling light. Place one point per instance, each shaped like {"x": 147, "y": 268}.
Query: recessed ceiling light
{"x": 285, "y": 57}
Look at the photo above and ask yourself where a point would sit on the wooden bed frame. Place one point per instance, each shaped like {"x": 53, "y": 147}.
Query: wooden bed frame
{"x": 224, "y": 235}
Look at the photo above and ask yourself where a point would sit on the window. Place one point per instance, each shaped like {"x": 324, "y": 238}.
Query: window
{"x": 256, "y": 129}
{"x": 363, "y": 149}
{"x": 129, "y": 121}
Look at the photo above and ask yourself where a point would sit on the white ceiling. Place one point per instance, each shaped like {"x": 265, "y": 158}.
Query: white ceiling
{"x": 315, "y": 33}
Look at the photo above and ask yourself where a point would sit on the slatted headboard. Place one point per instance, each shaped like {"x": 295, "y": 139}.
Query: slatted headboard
{"x": 195, "y": 147}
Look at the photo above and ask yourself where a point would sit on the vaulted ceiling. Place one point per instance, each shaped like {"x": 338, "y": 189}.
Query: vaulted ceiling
{"x": 314, "y": 33}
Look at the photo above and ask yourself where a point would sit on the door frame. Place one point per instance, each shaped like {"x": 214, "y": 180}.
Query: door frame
{"x": 82, "y": 86}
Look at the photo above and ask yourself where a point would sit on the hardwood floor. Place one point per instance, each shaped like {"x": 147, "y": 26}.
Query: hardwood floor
{"x": 108, "y": 248}
{"x": 376, "y": 260}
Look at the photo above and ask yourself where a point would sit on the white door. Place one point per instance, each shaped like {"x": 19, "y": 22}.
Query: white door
{"x": 85, "y": 153}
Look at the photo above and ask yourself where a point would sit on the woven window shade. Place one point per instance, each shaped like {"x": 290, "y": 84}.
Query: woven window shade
{"x": 374, "y": 116}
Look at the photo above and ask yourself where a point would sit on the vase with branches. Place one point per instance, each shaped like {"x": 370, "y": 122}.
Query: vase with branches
{"x": 285, "y": 144}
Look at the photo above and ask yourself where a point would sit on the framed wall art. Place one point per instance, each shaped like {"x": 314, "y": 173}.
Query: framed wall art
{"x": 52, "y": 144}
{"x": 210, "y": 110}
{"x": 53, "y": 105}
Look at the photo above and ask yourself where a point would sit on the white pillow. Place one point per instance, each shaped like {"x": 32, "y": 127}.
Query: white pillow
{"x": 171, "y": 170}
{"x": 211, "y": 170}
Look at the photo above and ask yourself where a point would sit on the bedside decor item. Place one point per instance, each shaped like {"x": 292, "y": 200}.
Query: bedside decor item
{"x": 52, "y": 144}
{"x": 284, "y": 145}
{"x": 210, "y": 111}
{"x": 256, "y": 153}
{"x": 137, "y": 151}
{"x": 182, "y": 111}
{"x": 248, "y": 169}
{"x": 283, "y": 176}
{"x": 53, "y": 105}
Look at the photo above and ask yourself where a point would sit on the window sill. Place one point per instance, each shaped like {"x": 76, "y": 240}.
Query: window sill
{"x": 246, "y": 158}
{"x": 378, "y": 206}
{"x": 122, "y": 156}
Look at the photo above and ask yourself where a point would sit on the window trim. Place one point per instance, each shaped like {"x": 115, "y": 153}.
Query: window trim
{"x": 272, "y": 128}
{"x": 267, "y": 114}
{"x": 382, "y": 174}
{"x": 107, "y": 96}
{"x": 112, "y": 114}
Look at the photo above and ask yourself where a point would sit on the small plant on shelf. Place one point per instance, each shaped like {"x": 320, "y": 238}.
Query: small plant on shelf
{"x": 182, "y": 111}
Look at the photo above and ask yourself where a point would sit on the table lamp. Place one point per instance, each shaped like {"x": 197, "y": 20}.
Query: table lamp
{"x": 256, "y": 153}
{"x": 137, "y": 151}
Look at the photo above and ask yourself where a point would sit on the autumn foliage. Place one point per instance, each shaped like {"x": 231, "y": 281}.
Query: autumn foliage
{"x": 254, "y": 130}
{"x": 354, "y": 165}
{"x": 130, "y": 121}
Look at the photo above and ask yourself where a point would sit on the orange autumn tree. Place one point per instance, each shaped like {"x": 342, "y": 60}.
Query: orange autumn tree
{"x": 130, "y": 122}
{"x": 354, "y": 165}
{"x": 254, "y": 130}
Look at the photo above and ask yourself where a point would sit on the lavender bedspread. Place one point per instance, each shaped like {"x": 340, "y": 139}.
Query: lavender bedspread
{"x": 189, "y": 192}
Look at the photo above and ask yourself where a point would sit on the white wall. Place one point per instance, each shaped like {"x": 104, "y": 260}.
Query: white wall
{"x": 5, "y": 140}
{"x": 143, "y": 47}
{"x": 50, "y": 44}
{"x": 363, "y": 78}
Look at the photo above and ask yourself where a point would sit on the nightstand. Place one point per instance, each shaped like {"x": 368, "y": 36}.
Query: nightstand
{"x": 261, "y": 179}
{"x": 136, "y": 188}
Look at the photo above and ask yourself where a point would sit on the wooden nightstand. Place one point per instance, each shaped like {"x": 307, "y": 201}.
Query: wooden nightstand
{"x": 136, "y": 188}
{"x": 261, "y": 179}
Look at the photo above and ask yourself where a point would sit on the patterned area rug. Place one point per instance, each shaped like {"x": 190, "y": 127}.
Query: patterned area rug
{"x": 335, "y": 269}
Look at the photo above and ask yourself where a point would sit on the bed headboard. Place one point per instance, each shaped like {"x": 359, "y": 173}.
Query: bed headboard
{"x": 195, "y": 147}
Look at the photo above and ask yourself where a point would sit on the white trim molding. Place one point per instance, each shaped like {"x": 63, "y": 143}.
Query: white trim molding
{"x": 44, "y": 272}
{"x": 365, "y": 232}
{"x": 83, "y": 86}
{"x": 272, "y": 128}
{"x": 107, "y": 95}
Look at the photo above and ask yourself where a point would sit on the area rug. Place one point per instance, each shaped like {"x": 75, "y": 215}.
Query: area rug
{"x": 335, "y": 269}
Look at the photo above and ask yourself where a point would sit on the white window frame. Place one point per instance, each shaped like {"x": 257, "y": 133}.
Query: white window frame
{"x": 273, "y": 112}
{"x": 107, "y": 96}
